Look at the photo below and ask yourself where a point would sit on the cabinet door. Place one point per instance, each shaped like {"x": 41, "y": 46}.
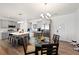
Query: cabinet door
{"x": 10, "y": 22}
{"x": 13, "y": 23}
{"x": 4, "y": 24}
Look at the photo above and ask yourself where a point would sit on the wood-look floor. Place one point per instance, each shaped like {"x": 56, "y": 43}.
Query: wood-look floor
{"x": 65, "y": 48}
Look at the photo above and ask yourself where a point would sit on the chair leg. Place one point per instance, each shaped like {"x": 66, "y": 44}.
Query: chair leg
{"x": 36, "y": 51}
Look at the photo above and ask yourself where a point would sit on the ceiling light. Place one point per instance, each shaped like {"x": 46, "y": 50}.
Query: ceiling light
{"x": 48, "y": 14}
{"x": 20, "y": 22}
{"x": 42, "y": 15}
{"x": 59, "y": 26}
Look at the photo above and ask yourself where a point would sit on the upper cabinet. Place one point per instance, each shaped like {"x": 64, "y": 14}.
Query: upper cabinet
{"x": 4, "y": 23}
{"x": 8, "y": 24}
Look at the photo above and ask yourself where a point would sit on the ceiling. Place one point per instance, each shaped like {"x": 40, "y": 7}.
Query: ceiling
{"x": 29, "y": 11}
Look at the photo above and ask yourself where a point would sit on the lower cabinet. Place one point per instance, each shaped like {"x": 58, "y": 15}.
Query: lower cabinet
{"x": 5, "y": 35}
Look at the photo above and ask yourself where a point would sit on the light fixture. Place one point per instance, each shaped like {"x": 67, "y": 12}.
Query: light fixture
{"x": 47, "y": 18}
{"x": 45, "y": 15}
{"x": 20, "y": 22}
{"x": 48, "y": 14}
{"x": 59, "y": 27}
{"x": 42, "y": 15}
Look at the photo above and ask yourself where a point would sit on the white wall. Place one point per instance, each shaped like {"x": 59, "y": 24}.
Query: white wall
{"x": 77, "y": 25}
{"x": 23, "y": 25}
{"x": 65, "y": 24}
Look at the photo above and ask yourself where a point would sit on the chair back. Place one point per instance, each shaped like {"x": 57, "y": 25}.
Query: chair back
{"x": 49, "y": 49}
{"x": 56, "y": 39}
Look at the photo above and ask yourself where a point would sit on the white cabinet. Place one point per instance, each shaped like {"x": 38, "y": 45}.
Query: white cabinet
{"x": 13, "y": 23}
{"x": 5, "y": 35}
{"x": 3, "y": 24}
{"x": 4, "y": 27}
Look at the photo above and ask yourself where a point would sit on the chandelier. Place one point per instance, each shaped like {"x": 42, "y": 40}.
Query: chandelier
{"x": 46, "y": 16}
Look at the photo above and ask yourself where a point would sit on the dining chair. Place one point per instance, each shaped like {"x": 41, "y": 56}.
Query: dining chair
{"x": 49, "y": 49}
{"x": 12, "y": 40}
{"x": 56, "y": 39}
